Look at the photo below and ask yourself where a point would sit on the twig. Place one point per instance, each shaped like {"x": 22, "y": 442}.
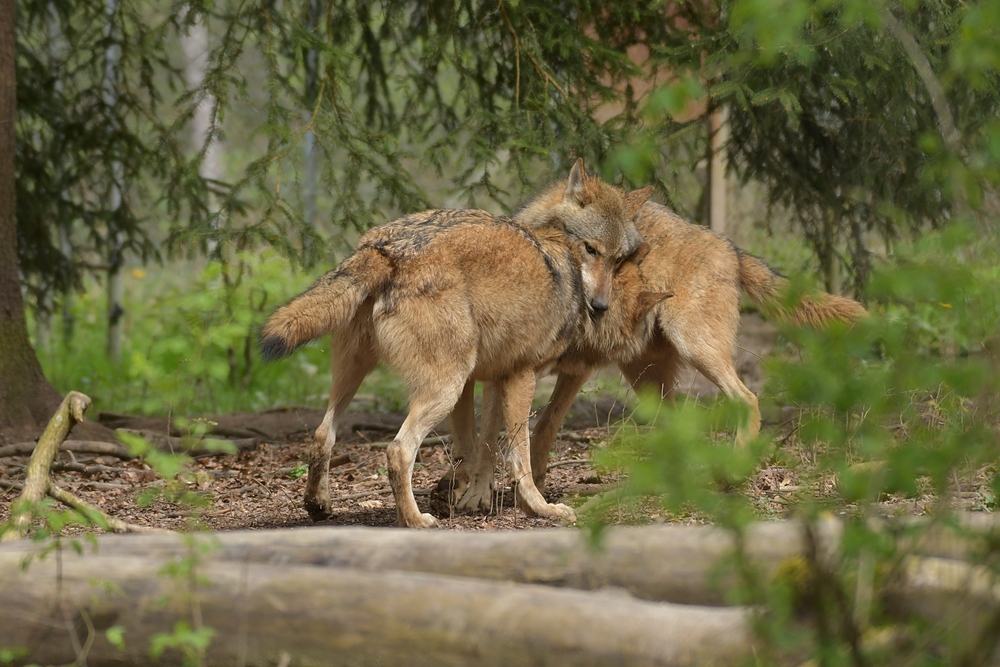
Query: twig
{"x": 374, "y": 426}
{"x": 104, "y": 486}
{"x": 92, "y": 469}
{"x": 432, "y": 441}
{"x": 567, "y": 462}
{"x": 97, "y": 516}
{"x": 541, "y": 70}
{"x": 579, "y": 437}
{"x": 365, "y": 494}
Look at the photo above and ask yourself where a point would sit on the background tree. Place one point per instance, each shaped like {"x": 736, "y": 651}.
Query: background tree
{"x": 25, "y": 396}
{"x": 411, "y": 104}
{"x": 832, "y": 114}
{"x": 485, "y": 93}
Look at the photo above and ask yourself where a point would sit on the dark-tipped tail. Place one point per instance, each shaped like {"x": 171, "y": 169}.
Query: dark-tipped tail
{"x": 764, "y": 287}
{"x": 326, "y": 306}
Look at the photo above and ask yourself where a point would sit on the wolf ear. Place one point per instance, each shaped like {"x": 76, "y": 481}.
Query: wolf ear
{"x": 640, "y": 255}
{"x": 574, "y": 188}
{"x": 637, "y": 198}
{"x": 645, "y": 302}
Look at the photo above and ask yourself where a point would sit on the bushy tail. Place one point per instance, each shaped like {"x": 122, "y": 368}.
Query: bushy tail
{"x": 326, "y": 306}
{"x": 764, "y": 287}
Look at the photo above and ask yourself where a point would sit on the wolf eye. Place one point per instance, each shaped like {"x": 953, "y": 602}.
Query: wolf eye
{"x": 590, "y": 249}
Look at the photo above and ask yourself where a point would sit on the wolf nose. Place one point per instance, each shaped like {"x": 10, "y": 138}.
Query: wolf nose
{"x": 599, "y": 305}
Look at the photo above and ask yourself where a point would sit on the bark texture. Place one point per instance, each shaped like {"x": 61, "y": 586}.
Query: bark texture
{"x": 323, "y": 616}
{"x": 681, "y": 564}
{"x": 375, "y": 596}
{"x": 26, "y": 398}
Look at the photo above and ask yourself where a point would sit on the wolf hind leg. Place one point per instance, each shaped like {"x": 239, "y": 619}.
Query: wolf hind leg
{"x": 350, "y": 364}
{"x": 516, "y": 394}
{"x": 479, "y": 466}
{"x": 720, "y": 370}
{"x": 455, "y": 481}
{"x": 428, "y": 406}
{"x": 656, "y": 369}
{"x": 567, "y": 387}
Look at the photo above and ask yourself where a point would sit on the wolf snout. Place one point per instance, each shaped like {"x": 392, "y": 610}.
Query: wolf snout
{"x": 599, "y": 305}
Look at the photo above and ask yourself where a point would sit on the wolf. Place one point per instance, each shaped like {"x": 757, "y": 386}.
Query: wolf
{"x": 448, "y": 296}
{"x": 620, "y": 332}
{"x": 704, "y": 272}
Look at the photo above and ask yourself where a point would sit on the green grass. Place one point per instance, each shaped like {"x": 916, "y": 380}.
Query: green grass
{"x": 189, "y": 344}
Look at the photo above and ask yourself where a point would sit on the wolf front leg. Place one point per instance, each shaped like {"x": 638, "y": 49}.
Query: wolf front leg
{"x": 479, "y": 466}
{"x": 516, "y": 394}
{"x": 350, "y": 364}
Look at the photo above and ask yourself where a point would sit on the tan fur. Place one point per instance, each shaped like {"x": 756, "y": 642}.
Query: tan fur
{"x": 447, "y": 297}
{"x": 704, "y": 272}
{"x": 698, "y": 326}
{"x": 620, "y": 332}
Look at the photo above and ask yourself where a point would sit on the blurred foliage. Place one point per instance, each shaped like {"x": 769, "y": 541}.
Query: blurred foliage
{"x": 902, "y": 404}
{"x": 190, "y": 344}
{"x": 829, "y": 111}
{"x": 395, "y": 92}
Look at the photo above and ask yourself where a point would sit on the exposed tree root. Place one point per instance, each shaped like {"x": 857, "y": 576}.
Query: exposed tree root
{"x": 38, "y": 483}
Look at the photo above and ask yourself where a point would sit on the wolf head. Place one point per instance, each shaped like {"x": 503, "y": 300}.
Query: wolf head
{"x": 621, "y": 334}
{"x": 599, "y": 221}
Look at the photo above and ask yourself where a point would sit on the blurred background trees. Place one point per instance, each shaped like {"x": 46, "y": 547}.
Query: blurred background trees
{"x": 152, "y": 132}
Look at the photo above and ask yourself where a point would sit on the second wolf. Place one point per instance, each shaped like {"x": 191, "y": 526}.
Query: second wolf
{"x": 443, "y": 297}
{"x": 705, "y": 273}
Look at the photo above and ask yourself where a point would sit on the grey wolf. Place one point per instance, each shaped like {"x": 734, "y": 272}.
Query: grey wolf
{"x": 705, "y": 273}
{"x": 446, "y": 297}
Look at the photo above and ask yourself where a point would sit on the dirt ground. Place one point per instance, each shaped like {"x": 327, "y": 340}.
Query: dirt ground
{"x": 263, "y": 486}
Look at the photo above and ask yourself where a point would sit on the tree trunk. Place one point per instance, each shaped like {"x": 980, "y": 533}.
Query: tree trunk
{"x": 269, "y": 614}
{"x": 718, "y": 128}
{"x": 116, "y": 323}
{"x": 829, "y": 261}
{"x": 311, "y": 91}
{"x": 26, "y": 398}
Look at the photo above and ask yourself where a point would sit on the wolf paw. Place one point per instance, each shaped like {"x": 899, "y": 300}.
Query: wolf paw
{"x": 420, "y": 521}
{"x": 560, "y": 511}
{"x": 550, "y": 511}
{"x": 477, "y": 497}
{"x": 317, "y": 509}
{"x": 452, "y": 486}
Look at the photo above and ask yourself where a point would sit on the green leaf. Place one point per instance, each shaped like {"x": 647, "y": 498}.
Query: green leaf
{"x": 116, "y": 636}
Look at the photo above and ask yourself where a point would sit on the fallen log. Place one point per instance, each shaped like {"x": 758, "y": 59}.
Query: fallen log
{"x": 173, "y": 445}
{"x": 671, "y": 563}
{"x": 75, "y": 446}
{"x": 681, "y": 564}
{"x": 961, "y": 600}
{"x": 265, "y": 614}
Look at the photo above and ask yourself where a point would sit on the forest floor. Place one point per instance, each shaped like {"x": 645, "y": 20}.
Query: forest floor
{"x": 263, "y": 487}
